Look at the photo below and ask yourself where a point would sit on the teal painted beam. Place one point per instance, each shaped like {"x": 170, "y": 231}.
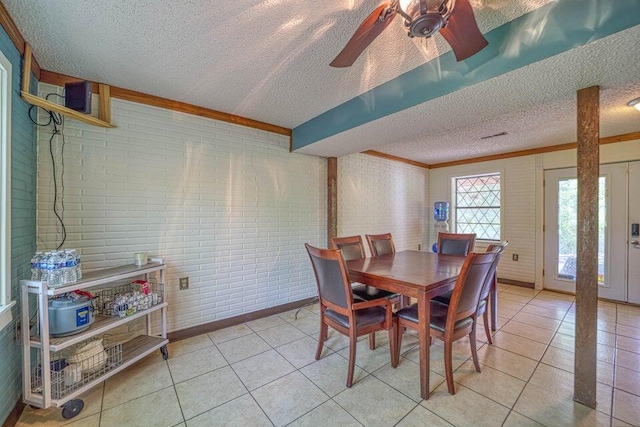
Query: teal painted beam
{"x": 548, "y": 31}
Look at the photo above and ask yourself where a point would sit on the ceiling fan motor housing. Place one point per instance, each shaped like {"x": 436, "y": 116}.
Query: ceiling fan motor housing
{"x": 426, "y": 25}
{"x": 427, "y": 17}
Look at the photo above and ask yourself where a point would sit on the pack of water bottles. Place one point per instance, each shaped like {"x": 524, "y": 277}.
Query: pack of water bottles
{"x": 128, "y": 299}
{"x": 57, "y": 268}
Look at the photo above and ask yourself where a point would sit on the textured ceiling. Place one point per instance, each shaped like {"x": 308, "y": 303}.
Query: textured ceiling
{"x": 268, "y": 60}
{"x": 535, "y": 105}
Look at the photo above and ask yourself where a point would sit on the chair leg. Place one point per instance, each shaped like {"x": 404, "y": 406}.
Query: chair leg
{"x": 485, "y": 320}
{"x": 353, "y": 342}
{"x": 372, "y": 341}
{"x": 474, "y": 351}
{"x": 393, "y": 342}
{"x": 321, "y": 339}
{"x": 397, "y": 342}
{"x": 398, "y": 332}
{"x": 448, "y": 365}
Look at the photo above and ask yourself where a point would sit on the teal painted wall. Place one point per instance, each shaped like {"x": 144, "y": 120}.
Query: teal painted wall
{"x": 23, "y": 225}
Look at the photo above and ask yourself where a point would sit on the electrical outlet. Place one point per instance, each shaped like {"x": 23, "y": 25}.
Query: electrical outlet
{"x": 514, "y": 257}
{"x": 419, "y": 247}
{"x": 184, "y": 283}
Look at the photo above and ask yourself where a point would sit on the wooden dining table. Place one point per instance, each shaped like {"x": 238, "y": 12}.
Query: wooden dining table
{"x": 420, "y": 275}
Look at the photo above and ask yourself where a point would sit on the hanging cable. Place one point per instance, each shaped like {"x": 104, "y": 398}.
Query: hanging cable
{"x": 56, "y": 120}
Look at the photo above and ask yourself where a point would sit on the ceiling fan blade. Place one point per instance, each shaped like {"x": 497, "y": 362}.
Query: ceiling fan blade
{"x": 370, "y": 28}
{"x": 462, "y": 32}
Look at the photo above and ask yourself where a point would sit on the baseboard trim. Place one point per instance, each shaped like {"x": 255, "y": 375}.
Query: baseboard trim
{"x": 628, "y": 304}
{"x": 517, "y": 283}
{"x": 236, "y": 320}
{"x": 15, "y": 413}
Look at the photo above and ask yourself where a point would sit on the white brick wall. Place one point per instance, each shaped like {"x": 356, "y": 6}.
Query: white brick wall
{"x": 227, "y": 206}
{"x": 376, "y": 196}
{"x": 230, "y": 207}
{"x": 519, "y": 212}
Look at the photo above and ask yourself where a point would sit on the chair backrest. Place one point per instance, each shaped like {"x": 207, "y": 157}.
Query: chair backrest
{"x": 351, "y": 247}
{"x": 455, "y": 243}
{"x": 334, "y": 288}
{"x": 380, "y": 244}
{"x": 499, "y": 249}
{"x": 466, "y": 293}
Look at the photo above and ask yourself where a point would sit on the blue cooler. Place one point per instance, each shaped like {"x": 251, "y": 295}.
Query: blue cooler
{"x": 68, "y": 315}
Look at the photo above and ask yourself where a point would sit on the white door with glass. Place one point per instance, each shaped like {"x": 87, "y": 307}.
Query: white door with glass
{"x": 560, "y": 230}
{"x": 633, "y": 237}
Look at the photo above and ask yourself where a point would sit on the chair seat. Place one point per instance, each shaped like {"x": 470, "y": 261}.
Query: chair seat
{"x": 438, "y": 316}
{"x": 364, "y": 317}
{"x": 369, "y": 293}
{"x": 444, "y": 298}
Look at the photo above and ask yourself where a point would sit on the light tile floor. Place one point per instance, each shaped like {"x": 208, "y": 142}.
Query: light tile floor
{"x": 263, "y": 373}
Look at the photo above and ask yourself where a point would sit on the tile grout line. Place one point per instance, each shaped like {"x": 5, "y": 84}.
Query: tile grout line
{"x": 615, "y": 367}
{"x": 573, "y": 373}
{"x": 538, "y": 362}
{"x": 536, "y": 367}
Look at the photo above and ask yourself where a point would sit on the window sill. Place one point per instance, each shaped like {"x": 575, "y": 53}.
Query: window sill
{"x": 5, "y": 314}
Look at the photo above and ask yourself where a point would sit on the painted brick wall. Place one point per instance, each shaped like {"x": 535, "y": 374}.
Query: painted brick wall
{"x": 376, "y": 195}
{"x": 226, "y": 205}
{"x": 23, "y": 226}
{"x": 518, "y": 217}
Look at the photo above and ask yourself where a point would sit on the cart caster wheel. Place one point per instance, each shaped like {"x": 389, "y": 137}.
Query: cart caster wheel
{"x": 165, "y": 352}
{"x": 72, "y": 408}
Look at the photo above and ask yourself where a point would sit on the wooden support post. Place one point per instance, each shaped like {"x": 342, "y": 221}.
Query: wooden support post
{"x": 332, "y": 198}
{"x": 26, "y": 68}
{"x": 104, "y": 110}
{"x": 584, "y": 386}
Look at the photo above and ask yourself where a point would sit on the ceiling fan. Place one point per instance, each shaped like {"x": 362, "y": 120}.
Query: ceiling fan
{"x": 454, "y": 19}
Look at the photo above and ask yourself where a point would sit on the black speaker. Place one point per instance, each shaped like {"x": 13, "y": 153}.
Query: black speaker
{"x": 77, "y": 96}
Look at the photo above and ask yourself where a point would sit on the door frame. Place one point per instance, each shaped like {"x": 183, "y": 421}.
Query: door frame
{"x": 617, "y": 202}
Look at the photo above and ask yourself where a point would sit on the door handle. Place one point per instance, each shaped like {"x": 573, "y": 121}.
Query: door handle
{"x": 635, "y": 242}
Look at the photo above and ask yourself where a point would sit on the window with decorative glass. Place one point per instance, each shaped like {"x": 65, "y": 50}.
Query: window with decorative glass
{"x": 477, "y": 205}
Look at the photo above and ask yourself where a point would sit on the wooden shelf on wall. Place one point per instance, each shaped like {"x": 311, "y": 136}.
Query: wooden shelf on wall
{"x": 104, "y": 112}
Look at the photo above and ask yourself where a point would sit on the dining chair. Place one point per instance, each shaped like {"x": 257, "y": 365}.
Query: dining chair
{"x": 489, "y": 285}
{"x": 341, "y": 311}
{"x": 352, "y": 247}
{"x": 455, "y": 243}
{"x": 380, "y": 244}
{"x": 451, "y": 322}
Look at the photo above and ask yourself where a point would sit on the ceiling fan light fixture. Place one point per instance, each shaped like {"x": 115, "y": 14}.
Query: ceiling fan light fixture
{"x": 424, "y": 18}
{"x": 454, "y": 20}
{"x": 635, "y": 103}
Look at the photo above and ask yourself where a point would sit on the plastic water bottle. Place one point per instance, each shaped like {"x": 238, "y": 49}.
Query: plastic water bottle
{"x": 78, "y": 264}
{"x": 35, "y": 266}
{"x": 441, "y": 211}
{"x": 44, "y": 267}
{"x": 61, "y": 266}
{"x": 69, "y": 271}
{"x": 55, "y": 265}
{"x": 52, "y": 269}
